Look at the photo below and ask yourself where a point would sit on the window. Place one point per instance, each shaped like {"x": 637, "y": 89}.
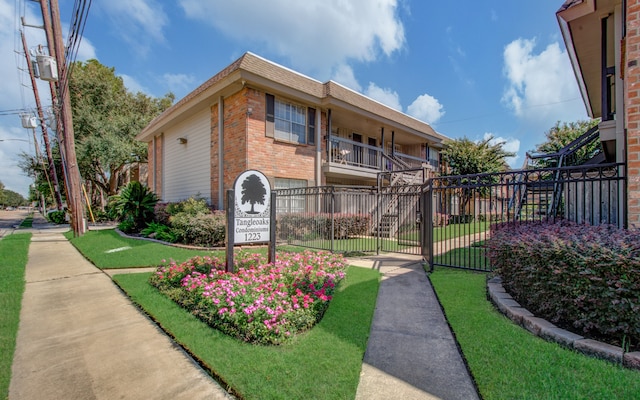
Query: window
{"x": 290, "y": 203}
{"x": 290, "y": 122}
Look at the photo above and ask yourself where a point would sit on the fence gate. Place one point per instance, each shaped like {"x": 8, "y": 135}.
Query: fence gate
{"x": 462, "y": 209}
{"x": 351, "y": 220}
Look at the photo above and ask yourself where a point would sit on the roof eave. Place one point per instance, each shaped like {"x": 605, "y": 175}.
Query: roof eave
{"x": 570, "y": 11}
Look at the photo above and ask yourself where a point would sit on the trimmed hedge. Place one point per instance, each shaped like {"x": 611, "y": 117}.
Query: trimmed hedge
{"x": 318, "y": 226}
{"x": 206, "y": 230}
{"x": 575, "y": 275}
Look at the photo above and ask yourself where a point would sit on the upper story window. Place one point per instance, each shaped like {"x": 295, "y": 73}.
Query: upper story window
{"x": 290, "y": 122}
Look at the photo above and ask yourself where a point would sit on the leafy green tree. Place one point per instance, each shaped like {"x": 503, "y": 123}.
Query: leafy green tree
{"x": 13, "y": 199}
{"x": 559, "y": 136}
{"x": 106, "y": 119}
{"x": 34, "y": 168}
{"x": 466, "y": 157}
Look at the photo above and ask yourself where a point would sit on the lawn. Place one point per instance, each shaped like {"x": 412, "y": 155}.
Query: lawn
{"x": 107, "y": 249}
{"x": 406, "y": 242}
{"x": 323, "y": 363}
{"x": 508, "y": 362}
{"x": 14, "y": 251}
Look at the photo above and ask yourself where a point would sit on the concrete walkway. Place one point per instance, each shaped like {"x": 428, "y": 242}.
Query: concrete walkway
{"x": 411, "y": 353}
{"x": 81, "y": 338}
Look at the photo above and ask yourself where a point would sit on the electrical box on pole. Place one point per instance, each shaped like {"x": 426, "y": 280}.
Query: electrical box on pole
{"x": 47, "y": 67}
{"x": 29, "y": 121}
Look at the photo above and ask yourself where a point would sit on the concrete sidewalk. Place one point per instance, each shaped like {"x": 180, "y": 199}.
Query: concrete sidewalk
{"x": 411, "y": 353}
{"x": 81, "y": 338}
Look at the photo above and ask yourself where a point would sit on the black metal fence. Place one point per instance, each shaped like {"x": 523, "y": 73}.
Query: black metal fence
{"x": 351, "y": 219}
{"x": 447, "y": 219}
{"x": 463, "y": 208}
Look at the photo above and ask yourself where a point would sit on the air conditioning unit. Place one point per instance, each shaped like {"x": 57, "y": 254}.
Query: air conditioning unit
{"x": 29, "y": 121}
{"x": 48, "y": 68}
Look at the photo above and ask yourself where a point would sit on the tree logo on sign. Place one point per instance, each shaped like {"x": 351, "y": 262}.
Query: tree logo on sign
{"x": 253, "y": 192}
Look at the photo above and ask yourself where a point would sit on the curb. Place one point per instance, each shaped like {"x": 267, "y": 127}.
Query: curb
{"x": 548, "y": 331}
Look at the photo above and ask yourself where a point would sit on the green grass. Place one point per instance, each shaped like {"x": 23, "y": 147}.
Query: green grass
{"x": 508, "y": 362}
{"x": 455, "y": 230}
{"x": 323, "y": 363}
{"x": 27, "y": 222}
{"x": 406, "y": 241}
{"x": 14, "y": 251}
{"x": 107, "y": 249}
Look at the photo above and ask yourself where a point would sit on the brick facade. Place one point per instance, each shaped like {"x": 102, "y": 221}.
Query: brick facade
{"x": 632, "y": 98}
{"x": 246, "y": 145}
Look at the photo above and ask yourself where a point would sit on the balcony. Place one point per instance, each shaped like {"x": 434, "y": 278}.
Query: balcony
{"x": 354, "y": 160}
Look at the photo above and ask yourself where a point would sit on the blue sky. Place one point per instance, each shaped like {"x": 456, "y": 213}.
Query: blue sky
{"x": 468, "y": 68}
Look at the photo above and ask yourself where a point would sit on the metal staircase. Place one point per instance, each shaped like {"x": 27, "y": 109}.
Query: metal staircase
{"x": 539, "y": 194}
{"x": 397, "y": 205}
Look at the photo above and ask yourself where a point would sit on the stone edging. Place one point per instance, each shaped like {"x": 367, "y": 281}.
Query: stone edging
{"x": 546, "y": 330}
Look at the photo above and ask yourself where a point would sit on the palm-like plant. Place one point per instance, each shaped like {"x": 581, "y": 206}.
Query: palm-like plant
{"x": 136, "y": 204}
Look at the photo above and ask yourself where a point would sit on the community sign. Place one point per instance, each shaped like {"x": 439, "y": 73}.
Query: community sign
{"x": 252, "y": 209}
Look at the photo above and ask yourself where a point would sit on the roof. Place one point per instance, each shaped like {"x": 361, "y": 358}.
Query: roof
{"x": 253, "y": 68}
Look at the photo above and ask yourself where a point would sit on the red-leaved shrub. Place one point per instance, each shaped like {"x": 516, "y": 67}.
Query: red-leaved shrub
{"x": 571, "y": 274}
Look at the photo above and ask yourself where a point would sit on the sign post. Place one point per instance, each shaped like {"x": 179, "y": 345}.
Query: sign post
{"x": 250, "y": 213}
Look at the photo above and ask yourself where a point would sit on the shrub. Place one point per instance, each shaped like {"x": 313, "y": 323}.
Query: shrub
{"x": 160, "y": 232}
{"x": 200, "y": 229}
{"x": 101, "y": 216}
{"x": 161, "y": 214}
{"x": 310, "y": 226}
{"x": 570, "y": 274}
{"x": 135, "y": 203}
{"x": 260, "y": 303}
{"x": 127, "y": 225}
{"x": 57, "y": 217}
{"x": 191, "y": 206}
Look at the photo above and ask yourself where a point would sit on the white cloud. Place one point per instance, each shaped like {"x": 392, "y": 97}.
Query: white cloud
{"x": 15, "y": 140}
{"x": 426, "y": 108}
{"x": 16, "y": 88}
{"x": 510, "y": 144}
{"x": 343, "y": 74}
{"x": 86, "y": 51}
{"x": 385, "y": 96}
{"x": 316, "y": 35}
{"x": 179, "y": 83}
{"x": 132, "y": 84}
{"x": 541, "y": 87}
{"x": 137, "y": 22}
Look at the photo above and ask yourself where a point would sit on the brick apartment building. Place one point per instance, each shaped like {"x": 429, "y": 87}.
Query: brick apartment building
{"x": 603, "y": 41}
{"x": 299, "y": 132}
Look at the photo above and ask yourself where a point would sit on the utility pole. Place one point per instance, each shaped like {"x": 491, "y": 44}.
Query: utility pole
{"x": 45, "y": 135}
{"x": 66, "y": 134}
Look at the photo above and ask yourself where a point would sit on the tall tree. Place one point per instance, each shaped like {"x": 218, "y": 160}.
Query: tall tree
{"x": 563, "y": 133}
{"x": 466, "y": 157}
{"x": 106, "y": 118}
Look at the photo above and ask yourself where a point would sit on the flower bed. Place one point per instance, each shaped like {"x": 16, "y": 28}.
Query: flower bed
{"x": 260, "y": 303}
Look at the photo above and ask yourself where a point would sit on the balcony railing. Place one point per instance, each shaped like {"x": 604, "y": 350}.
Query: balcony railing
{"x": 348, "y": 152}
